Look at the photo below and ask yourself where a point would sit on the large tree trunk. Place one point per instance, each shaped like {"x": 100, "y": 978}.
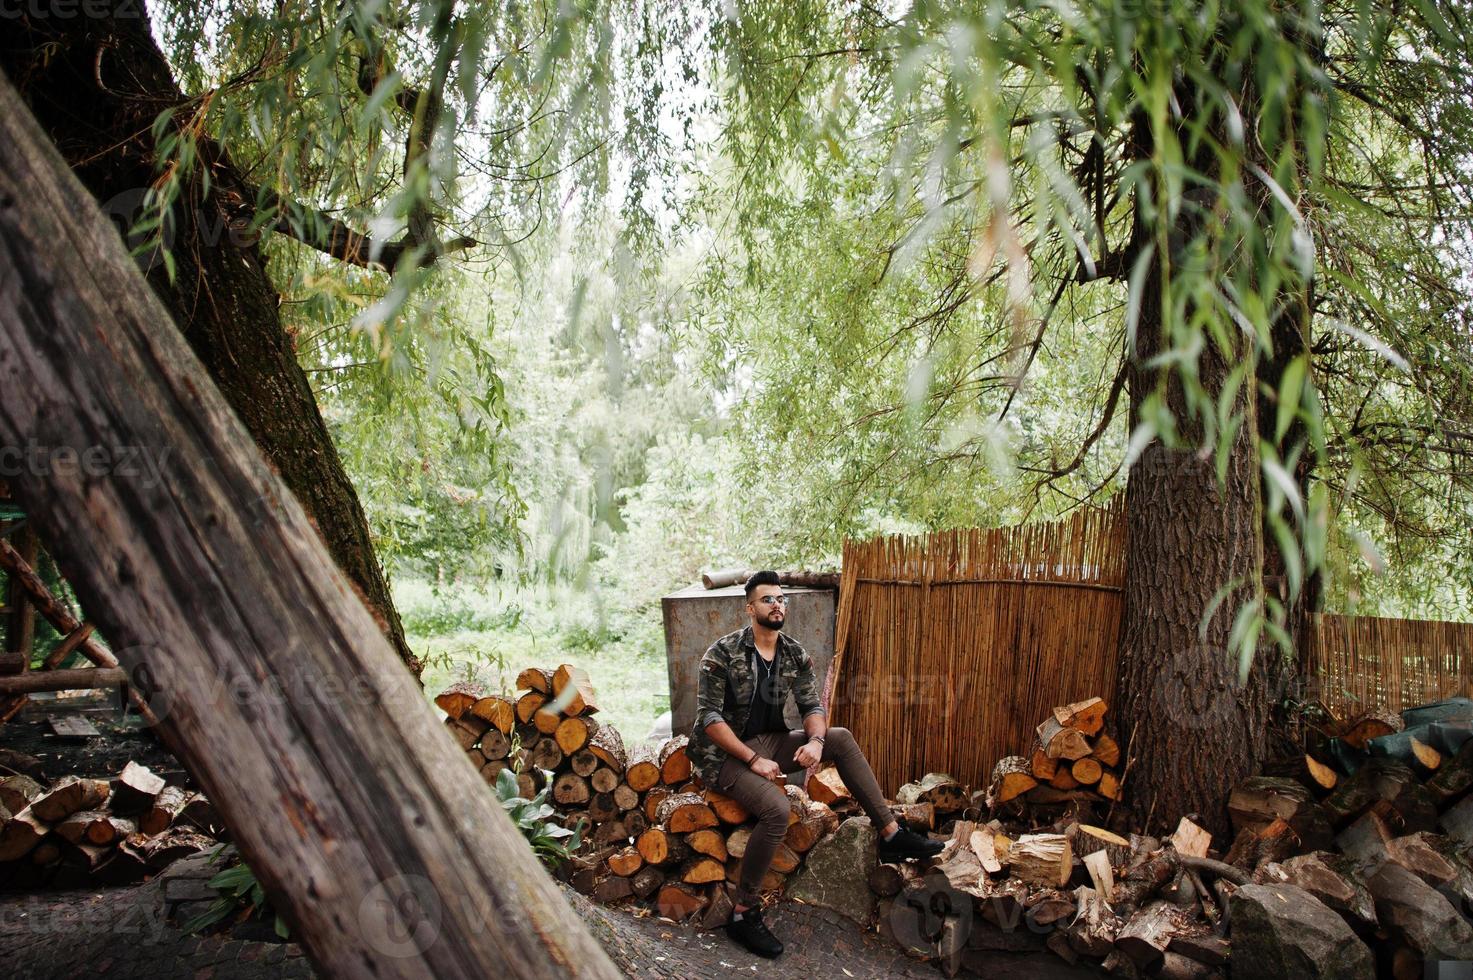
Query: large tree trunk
{"x": 271, "y": 679}
{"x": 1196, "y": 545}
{"x": 96, "y": 85}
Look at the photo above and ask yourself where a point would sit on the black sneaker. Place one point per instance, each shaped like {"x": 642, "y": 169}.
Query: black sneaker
{"x": 749, "y": 932}
{"x": 908, "y": 845}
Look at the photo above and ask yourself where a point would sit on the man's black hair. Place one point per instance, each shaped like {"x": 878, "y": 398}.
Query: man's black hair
{"x": 765, "y": 577}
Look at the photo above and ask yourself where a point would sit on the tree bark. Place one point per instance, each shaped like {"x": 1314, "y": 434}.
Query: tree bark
{"x": 271, "y": 680}
{"x": 96, "y": 86}
{"x": 1192, "y": 730}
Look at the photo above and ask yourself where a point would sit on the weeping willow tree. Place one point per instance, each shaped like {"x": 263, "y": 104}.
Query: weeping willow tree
{"x": 294, "y": 178}
{"x": 1205, "y": 255}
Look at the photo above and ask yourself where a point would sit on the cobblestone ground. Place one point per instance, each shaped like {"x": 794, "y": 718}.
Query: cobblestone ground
{"x": 126, "y": 933}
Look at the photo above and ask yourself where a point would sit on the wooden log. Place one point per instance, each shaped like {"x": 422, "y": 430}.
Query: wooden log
{"x": 1085, "y": 839}
{"x": 1011, "y": 777}
{"x": 583, "y": 762}
{"x": 1041, "y": 859}
{"x": 1388, "y": 780}
{"x": 494, "y": 745}
{"x": 1087, "y": 771}
{"x": 736, "y": 841}
{"x": 1087, "y": 716}
{"x": 1146, "y": 935}
{"x": 1365, "y": 841}
{"x": 625, "y": 862}
{"x": 69, "y": 795}
{"x": 652, "y": 801}
{"x": 654, "y": 845}
{"x": 17, "y": 792}
{"x": 825, "y": 786}
{"x": 608, "y": 745}
{"x": 1454, "y": 777}
{"x": 546, "y": 754}
{"x": 1258, "y": 802}
{"x": 1254, "y": 848}
{"x": 920, "y": 817}
{"x": 815, "y": 822}
{"x": 727, "y": 810}
{"x": 491, "y": 770}
{"x": 1064, "y": 778}
{"x": 1040, "y": 766}
{"x": 719, "y": 907}
{"x": 679, "y": 901}
{"x": 682, "y": 813}
{"x": 771, "y": 882}
{"x": 457, "y": 699}
{"x": 1095, "y": 926}
{"x": 941, "y": 791}
{"x": 77, "y": 679}
{"x": 888, "y": 880}
{"x": 1422, "y": 855}
{"x": 646, "y": 881}
{"x": 1372, "y": 726}
{"x": 1190, "y": 839}
{"x": 603, "y": 780}
{"x": 674, "y": 764}
{"x": 465, "y": 735}
{"x": 609, "y": 832}
{"x": 21, "y": 833}
{"x": 499, "y": 712}
{"x": 701, "y": 870}
{"x": 573, "y": 690}
{"x": 1457, "y": 823}
{"x": 537, "y": 679}
{"x": 784, "y": 861}
{"x": 528, "y": 705}
{"x": 601, "y": 807}
{"x": 574, "y": 733}
{"x": 634, "y": 820}
{"x": 1332, "y": 879}
{"x": 611, "y": 889}
{"x": 1101, "y": 872}
{"x": 570, "y": 789}
{"x": 134, "y": 789}
{"x": 625, "y": 798}
{"x": 1109, "y": 786}
{"x": 545, "y": 720}
{"x": 643, "y": 772}
{"x": 709, "y": 842}
{"x": 1062, "y": 742}
{"x": 1107, "y": 750}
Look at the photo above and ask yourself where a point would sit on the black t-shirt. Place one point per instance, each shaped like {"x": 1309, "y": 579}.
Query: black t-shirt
{"x": 767, "y": 710}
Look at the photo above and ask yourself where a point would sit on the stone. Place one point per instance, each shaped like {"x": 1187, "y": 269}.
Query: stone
{"x": 835, "y": 873}
{"x": 1332, "y": 879}
{"x": 1284, "y": 931}
{"x": 1419, "y": 915}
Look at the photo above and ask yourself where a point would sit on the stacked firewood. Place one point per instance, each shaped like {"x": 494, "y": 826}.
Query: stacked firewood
{"x": 654, "y": 833}
{"x": 1073, "y": 759}
{"x": 100, "y": 831}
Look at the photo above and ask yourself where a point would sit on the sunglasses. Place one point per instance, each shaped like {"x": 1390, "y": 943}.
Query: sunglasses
{"x": 771, "y": 601}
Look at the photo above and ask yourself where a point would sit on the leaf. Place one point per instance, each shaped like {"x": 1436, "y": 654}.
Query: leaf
{"x": 1290, "y": 394}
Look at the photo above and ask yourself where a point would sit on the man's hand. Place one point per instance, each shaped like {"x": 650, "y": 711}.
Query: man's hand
{"x": 766, "y": 768}
{"x": 809, "y": 754}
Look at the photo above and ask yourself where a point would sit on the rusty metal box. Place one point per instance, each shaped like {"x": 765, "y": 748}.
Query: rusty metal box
{"x": 696, "y": 616}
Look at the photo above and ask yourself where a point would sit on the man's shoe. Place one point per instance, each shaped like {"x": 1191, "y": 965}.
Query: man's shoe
{"x": 908, "y": 845}
{"x": 748, "y": 931}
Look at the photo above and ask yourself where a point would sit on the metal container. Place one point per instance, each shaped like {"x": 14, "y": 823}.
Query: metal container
{"x": 695, "y": 617}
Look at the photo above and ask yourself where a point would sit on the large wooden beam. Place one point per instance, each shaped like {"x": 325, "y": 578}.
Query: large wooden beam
{"x": 267, "y": 673}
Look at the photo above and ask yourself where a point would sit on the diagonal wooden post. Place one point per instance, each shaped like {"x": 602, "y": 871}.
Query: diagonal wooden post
{"x": 365, "y": 823}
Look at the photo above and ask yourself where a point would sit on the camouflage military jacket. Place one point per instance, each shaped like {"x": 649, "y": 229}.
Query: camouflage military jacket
{"x": 727, "y": 687}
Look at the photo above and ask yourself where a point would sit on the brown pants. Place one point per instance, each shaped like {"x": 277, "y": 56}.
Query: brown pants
{"x": 767, "y": 802}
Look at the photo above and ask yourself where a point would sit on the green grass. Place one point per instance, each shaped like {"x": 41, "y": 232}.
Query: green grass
{"x": 489, "y": 635}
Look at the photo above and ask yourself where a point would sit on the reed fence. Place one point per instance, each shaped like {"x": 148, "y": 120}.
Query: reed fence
{"x": 951, "y": 647}
{"x": 1368, "y": 664}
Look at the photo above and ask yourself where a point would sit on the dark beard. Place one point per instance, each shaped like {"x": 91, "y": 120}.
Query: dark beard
{"x": 778, "y": 626}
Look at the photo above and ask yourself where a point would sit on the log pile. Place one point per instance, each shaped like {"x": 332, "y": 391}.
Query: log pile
{"x": 654, "y": 834}
{"x": 80, "y": 831}
{"x": 1335, "y": 853}
{"x": 1073, "y": 759}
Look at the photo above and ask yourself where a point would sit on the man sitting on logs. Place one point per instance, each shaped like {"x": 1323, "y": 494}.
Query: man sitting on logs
{"x": 742, "y": 747}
